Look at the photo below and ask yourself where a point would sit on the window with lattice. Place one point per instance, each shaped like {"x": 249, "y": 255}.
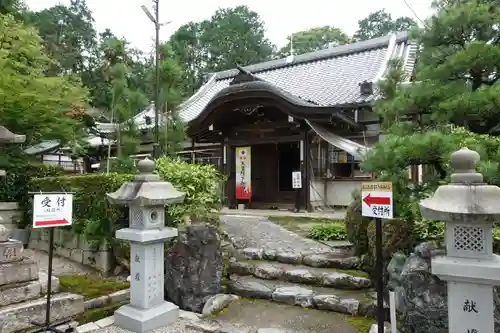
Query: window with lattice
{"x": 137, "y": 218}
{"x": 469, "y": 239}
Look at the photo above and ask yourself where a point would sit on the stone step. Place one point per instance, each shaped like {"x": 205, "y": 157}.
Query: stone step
{"x": 322, "y": 277}
{"x": 356, "y": 303}
{"x": 337, "y": 258}
{"x": 16, "y": 317}
{"x": 25, "y": 291}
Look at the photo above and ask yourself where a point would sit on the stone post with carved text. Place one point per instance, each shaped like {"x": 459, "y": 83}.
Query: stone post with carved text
{"x": 469, "y": 207}
{"x": 146, "y": 197}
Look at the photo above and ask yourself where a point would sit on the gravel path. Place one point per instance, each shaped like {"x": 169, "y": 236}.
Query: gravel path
{"x": 178, "y": 327}
{"x": 259, "y": 232}
{"x": 60, "y": 266}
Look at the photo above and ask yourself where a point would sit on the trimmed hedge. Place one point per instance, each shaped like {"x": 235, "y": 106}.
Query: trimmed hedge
{"x": 97, "y": 220}
{"x": 93, "y": 216}
{"x": 14, "y": 187}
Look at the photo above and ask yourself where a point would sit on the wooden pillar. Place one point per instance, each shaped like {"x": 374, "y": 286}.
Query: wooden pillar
{"x": 325, "y": 172}
{"x": 230, "y": 183}
{"x": 193, "y": 154}
{"x": 223, "y": 166}
{"x": 307, "y": 167}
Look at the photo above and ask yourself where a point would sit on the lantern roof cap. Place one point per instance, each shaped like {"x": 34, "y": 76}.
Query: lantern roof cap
{"x": 466, "y": 198}
{"x": 146, "y": 189}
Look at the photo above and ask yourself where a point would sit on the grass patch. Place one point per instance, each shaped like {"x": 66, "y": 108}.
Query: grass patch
{"x": 89, "y": 286}
{"x": 361, "y": 324}
{"x": 332, "y": 231}
{"x": 98, "y": 314}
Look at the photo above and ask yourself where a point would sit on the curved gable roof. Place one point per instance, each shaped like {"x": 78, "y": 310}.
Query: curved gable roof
{"x": 328, "y": 77}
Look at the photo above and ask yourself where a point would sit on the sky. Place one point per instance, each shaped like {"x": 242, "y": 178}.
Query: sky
{"x": 282, "y": 17}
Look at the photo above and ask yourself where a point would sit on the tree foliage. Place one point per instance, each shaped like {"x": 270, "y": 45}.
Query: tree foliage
{"x": 32, "y": 103}
{"x": 314, "y": 39}
{"x": 68, "y": 35}
{"x": 380, "y": 23}
{"x": 232, "y": 36}
{"x": 453, "y": 103}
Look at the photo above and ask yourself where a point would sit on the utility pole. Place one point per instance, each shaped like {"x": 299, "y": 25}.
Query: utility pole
{"x": 156, "y": 20}
{"x": 156, "y": 145}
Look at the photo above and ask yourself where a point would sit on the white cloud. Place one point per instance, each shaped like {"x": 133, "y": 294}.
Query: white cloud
{"x": 125, "y": 17}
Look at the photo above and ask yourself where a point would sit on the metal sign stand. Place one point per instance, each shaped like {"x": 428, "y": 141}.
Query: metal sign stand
{"x": 377, "y": 203}
{"x": 47, "y": 326}
{"x": 379, "y": 269}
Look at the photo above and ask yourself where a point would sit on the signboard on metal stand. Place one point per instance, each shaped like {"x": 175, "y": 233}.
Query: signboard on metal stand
{"x": 377, "y": 203}
{"x": 51, "y": 210}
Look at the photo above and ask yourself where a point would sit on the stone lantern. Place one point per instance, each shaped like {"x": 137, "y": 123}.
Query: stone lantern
{"x": 469, "y": 207}
{"x": 146, "y": 196}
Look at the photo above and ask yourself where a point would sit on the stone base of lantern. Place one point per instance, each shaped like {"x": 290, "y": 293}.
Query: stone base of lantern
{"x": 144, "y": 320}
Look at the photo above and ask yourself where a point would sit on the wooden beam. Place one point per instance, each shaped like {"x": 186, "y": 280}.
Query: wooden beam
{"x": 256, "y": 141}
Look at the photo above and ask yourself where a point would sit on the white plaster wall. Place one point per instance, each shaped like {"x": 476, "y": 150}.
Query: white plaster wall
{"x": 339, "y": 193}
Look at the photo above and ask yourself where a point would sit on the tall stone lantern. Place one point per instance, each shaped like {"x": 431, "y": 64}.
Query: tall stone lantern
{"x": 7, "y": 136}
{"x": 146, "y": 196}
{"x": 469, "y": 207}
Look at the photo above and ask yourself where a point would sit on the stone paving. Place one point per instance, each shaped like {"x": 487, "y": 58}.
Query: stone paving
{"x": 246, "y": 316}
{"x": 258, "y": 232}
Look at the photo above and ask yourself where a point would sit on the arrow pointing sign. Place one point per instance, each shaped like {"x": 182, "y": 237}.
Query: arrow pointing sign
{"x": 377, "y": 200}
{"x": 52, "y": 210}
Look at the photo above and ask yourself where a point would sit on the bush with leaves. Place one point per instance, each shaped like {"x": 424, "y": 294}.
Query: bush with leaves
{"x": 330, "y": 231}
{"x": 16, "y": 185}
{"x": 201, "y": 184}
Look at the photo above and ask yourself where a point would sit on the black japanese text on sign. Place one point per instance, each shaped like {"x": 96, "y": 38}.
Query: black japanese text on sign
{"x": 52, "y": 210}
{"x": 377, "y": 200}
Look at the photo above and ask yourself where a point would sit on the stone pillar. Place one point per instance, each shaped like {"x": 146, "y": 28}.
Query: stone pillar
{"x": 146, "y": 197}
{"x": 469, "y": 207}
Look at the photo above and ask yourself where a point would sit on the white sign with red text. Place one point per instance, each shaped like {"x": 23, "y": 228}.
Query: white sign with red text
{"x": 376, "y": 200}
{"x": 52, "y": 210}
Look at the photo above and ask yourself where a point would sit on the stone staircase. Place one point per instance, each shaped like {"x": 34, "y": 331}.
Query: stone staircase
{"x": 326, "y": 281}
{"x": 22, "y": 290}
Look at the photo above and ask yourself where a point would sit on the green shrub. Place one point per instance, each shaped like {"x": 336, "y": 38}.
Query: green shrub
{"x": 496, "y": 239}
{"x": 328, "y": 231}
{"x": 357, "y": 226}
{"x": 14, "y": 187}
{"x": 200, "y": 183}
{"x": 93, "y": 216}
{"x": 428, "y": 230}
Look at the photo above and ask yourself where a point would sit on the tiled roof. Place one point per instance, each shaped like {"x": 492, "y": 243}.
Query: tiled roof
{"x": 327, "y": 77}
{"x": 139, "y": 119}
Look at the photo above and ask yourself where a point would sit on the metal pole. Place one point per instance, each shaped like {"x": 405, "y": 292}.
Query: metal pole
{"x": 379, "y": 269}
{"x": 49, "y": 279}
{"x": 156, "y": 145}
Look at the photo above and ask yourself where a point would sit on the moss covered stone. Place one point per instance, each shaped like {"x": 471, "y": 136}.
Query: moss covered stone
{"x": 89, "y": 286}
{"x": 93, "y": 315}
{"x": 362, "y": 324}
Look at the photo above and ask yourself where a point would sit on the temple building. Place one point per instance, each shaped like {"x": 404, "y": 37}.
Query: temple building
{"x": 302, "y": 121}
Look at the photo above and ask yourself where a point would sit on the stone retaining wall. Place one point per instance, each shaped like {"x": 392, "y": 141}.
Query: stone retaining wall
{"x": 74, "y": 247}
{"x": 9, "y": 212}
